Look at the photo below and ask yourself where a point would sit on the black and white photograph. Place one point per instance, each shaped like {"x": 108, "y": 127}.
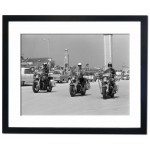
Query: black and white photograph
{"x": 75, "y": 74}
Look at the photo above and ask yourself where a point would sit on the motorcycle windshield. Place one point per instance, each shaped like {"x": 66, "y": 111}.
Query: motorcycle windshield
{"x": 106, "y": 75}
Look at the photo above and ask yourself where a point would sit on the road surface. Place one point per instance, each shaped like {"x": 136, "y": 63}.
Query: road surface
{"x": 59, "y": 101}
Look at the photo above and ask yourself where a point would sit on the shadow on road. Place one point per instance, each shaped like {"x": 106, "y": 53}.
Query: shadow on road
{"x": 44, "y": 91}
{"x": 79, "y": 95}
{"x": 110, "y": 97}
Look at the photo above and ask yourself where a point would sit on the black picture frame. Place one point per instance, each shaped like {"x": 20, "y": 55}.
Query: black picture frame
{"x": 62, "y": 130}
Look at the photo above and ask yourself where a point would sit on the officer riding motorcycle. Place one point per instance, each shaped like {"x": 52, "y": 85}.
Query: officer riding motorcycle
{"x": 42, "y": 80}
{"x": 78, "y": 83}
{"x": 108, "y": 82}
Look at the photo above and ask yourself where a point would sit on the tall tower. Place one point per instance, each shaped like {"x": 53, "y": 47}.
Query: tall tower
{"x": 66, "y": 60}
{"x": 107, "y": 49}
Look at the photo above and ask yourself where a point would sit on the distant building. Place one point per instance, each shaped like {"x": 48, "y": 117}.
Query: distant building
{"x": 34, "y": 62}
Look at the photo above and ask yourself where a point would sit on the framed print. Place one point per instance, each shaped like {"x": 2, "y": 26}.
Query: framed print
{"x": 75, "y": 74}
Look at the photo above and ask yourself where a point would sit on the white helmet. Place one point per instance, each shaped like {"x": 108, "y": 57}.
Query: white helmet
{"x": 79, "y": 64}
{"x": 44, "y": 64}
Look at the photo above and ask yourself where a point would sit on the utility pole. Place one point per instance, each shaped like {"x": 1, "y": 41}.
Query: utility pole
{"x": 50, "y": 59}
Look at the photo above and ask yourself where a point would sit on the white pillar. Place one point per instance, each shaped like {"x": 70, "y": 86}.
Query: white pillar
{"x": 107, "y": 49}
{"x": 66, "y": 59}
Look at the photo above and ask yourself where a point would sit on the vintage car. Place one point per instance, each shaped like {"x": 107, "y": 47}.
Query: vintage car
{"x": 118, "y": 75}
{"x": 60, "y": 76}
{"x": 125, "y": 77}
{"x": 90, "y": 76}
{"x": 26, "y": 76}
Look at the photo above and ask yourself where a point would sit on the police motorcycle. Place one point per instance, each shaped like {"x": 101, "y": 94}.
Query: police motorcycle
{"x": 42, "y": 81}
{"x": 77, "y": 87}
{"x": 108, "y": 87}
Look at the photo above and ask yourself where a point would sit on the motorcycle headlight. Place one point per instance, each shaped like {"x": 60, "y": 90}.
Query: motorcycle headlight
{"x": 37, "y": 76}
{"x": 43, "y": 78}
{"x": 73, "y": 79}
{"x": 105, "y": 79}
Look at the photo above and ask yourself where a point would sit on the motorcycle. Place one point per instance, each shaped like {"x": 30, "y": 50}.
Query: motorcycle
{"x": 107, "y": 85}
{"x": 42, "y": 82}
{"x": 77, "y": 87}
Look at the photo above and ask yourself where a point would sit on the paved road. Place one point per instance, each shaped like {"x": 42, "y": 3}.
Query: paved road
{"x": 59, "y": 101}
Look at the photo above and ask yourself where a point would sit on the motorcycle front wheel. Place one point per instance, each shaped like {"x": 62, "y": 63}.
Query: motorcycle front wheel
{"x": 83, "y": 91}
{"x": 35, "y": 87}
{"x": 104, "y": 92}
{"x": 112, "y": 95}
{"x": 72, "y": 91}
{"x": 49, "y": 88}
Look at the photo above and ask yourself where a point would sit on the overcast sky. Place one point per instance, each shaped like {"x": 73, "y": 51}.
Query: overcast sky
{"x": 82, "y": 48}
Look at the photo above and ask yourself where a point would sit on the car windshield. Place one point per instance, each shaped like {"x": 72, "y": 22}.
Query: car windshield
{"x": 27, "y": 71}
{"x": 57, "y": 72}
{"x": 125, "y": 75}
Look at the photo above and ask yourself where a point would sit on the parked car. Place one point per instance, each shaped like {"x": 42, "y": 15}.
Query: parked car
{"x": 60, "y": 76}
{"x": 125, "y": 77}
{"x": 26, "y": 76}
{"x": 42, "y": 82}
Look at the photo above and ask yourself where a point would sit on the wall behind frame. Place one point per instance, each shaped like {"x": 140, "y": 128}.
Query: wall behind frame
{"x": 74, "y": 142}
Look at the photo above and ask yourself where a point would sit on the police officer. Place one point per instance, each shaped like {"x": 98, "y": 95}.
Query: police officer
{"x": 112, "y": 71}
{"x": 80, "y": 74}
{"x": 45, "y": 69}
{"x": 45, "y": 72}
